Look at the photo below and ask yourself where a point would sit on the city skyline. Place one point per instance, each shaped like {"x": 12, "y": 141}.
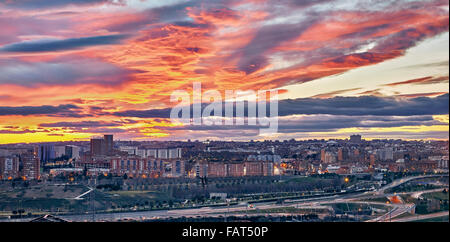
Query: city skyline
{"x": 73, "y": 70}
{"x": 297, "y": 181}
{"x": 163, "y": 141}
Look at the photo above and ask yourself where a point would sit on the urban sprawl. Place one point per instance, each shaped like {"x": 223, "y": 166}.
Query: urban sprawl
{"x": 191, "y": 159}
{"x": 292, "y": 180}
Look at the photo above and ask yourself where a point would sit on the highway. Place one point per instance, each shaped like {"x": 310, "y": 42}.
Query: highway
{"x": 422, "y": 217}
{"x": 396, "y": 210}
{"x": 420, "y": 193}
{"x": 311, "y": 203}
{"x": 403, "y": 180}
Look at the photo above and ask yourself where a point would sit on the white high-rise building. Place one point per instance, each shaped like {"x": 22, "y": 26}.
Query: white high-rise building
{"x": 72, "y": 151}
{"x": 132, "y": 150}
{"x": 59, "y": 151}
{"x": 163, "y": 154}
{"x": 152, "y": 153}
{"x": 142, "y": 153}
{"x": 386, "y": 154}
{"x": 174, "y": 153}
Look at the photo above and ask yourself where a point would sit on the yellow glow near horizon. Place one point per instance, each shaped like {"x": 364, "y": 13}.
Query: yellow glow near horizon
{"x": 412, "y": 129}
{"x": 442, "y": 118}
{"x": 42, "y": 137}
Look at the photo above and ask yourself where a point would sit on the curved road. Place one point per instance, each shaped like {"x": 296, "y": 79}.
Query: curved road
{"x": 397, "y": 209}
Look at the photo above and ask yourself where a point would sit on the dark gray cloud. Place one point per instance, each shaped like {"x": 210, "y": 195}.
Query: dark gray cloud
{"x": 62, "y": 71}
{"x": 348, "y": 106}
{"x": 100, "y": 130}
{"x": 324, "y": 123}
{"x": 61, "y": 45}
{"x": 152, "y": 113}
{"x": 87, "y": 124}
{"x": 81, "y": 124}
{"x": 64, "y": 110}
{"x": 366, "y": 105}
{"x": 25, "y": 131}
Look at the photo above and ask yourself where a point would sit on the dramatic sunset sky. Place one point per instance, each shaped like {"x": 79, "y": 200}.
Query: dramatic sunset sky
{"x": 72, "y": 69}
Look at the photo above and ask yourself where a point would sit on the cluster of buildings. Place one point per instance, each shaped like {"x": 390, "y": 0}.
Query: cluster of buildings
{"x": 359, "y": 156}
{"x": 23, "y": 163}
{"x": 48, "y": 153}
{"x": 152, "y": 159}
{"x": 133, "y": 161}
{"x": 155, "y": 161}
{"x": 269, "y": 157}
{"x": 232, "y": 169}
{"x": 161, "y": 153}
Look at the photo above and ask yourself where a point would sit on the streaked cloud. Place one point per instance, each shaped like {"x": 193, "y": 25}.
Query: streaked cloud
{"x": 77, "y": 68}
{"x": 61, "y": 45}
{"x": 421, "y": 81}
{"x": 349, "y": 106}
{"x": 64, "y": 110}
{"x": 62, "y": 71}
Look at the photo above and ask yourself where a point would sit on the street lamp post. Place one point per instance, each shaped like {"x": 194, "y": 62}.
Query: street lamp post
{"x": 390, "y": 211}
{"x": 390, "y": 214}
{"x": 228, "y": 210}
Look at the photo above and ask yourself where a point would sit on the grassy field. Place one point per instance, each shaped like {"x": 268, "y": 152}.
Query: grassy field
{"x": 377, "y": 199}
{"x": 44, "y": 191}
{"x": 121, "y": 198}
{"x": 408, "y": 187}
{"x": 437, "y": 195}
{"x": 356, "y": 206}
{"x": 438, "y": 219}
{"x": 41, "y": 198}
